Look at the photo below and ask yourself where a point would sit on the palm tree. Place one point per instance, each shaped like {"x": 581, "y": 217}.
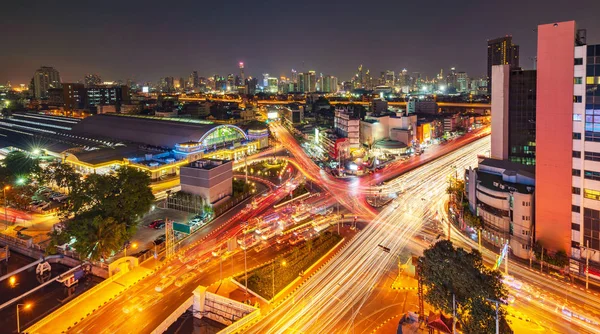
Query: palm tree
{"x": 98, "y": 239}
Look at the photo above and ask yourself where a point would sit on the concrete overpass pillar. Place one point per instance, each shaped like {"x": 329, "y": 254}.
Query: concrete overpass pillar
{"x": 199, "y": 299}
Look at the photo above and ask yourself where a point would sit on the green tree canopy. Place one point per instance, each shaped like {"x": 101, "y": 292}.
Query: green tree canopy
{"x": 446, "y": 271}
{"x": 21, "y": 163}
{"x": 97, "y": 238}
{"x": 103, "y": 209}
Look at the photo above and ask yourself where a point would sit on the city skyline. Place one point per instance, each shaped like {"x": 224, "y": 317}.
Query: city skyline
{"x": 144, "y": 44}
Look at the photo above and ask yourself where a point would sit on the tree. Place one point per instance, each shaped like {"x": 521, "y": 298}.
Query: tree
{"x": 21, "y": 163}
{"x": 61, "y": 174}
{"x": 125, "y": 196}
{"x": 97, "y": 238}
{"x": 446, "y": 271}
{"x": 103, "y": 204}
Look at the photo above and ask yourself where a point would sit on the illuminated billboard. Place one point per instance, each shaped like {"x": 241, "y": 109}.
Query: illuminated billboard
{"x": 272, "y": 115}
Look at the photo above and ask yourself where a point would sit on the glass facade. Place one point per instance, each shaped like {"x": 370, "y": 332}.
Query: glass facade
{"x": 592, "y": 98}
{"x": 591, "y": 228}
{"x": 521, "y": 119}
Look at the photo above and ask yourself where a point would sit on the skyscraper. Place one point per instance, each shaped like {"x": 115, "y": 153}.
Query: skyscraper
{"x": 242, "y": 74}
{"x": 567, "y": 134}
{"x": 501, "y": 51}
{"x": 43, "y": 79}
{"x": 194, "y": 80}
{"x": 514, "y": 115}
{"x": 307, "y": 82}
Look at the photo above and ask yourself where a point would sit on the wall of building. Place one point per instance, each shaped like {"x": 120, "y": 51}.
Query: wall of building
{"x": 500, "y": 95}
{"x": 555, "y": 70}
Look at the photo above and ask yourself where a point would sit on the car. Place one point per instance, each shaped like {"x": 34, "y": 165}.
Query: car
{"x": 134, "y": 304}
{"x": 139, "y": 303}
{"x": 184, "y": 279}
{"x": 156, "y": 222}
{"x": 160, "y": 226}
{"x": 160, "y": 239}
{"x": 164, "y": 283}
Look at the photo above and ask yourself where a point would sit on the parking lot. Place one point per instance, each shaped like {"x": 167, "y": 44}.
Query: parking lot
{"x": 145, "y": 234}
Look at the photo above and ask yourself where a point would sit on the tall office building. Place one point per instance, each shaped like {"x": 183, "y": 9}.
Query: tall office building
{"x": 501, "y": 51}
{"x": 514, "y": 115}
{"x": 73, "y": 96}
{"x": 390, "y": 78}
{"x": 462, "y": 82}
{"x": 307, "y": 82}
{"x": 242, "y": 74}
{"x": 568, "y": 143}
{"x": 194, "y": 80}
{"x": 43, "y": 79}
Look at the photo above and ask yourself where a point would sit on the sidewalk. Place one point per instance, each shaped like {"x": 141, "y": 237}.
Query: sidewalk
{"x": 85, "y": 305}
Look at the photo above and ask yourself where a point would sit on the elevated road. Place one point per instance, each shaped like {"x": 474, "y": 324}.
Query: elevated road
{"x": 467, "y": 105}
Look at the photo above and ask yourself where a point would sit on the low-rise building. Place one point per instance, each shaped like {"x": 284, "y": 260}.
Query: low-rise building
{"x": 395, "y": 127}
{"x": 422, "y": 107}
{"x": 502, "y": 194}
{"x": 293, "y": 114}
{"x": 210, "y": 179}
{"x": 347, "y": 126}
{"x": 379, "y": 106}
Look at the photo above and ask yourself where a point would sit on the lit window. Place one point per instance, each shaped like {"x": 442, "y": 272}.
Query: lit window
{"x": 591, "y": 194}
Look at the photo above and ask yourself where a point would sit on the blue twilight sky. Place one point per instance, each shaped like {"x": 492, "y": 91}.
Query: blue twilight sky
{"x": 146, "y": 40}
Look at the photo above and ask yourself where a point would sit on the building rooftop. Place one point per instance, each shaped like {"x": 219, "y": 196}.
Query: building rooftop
{"x": 154, "y": 131}
{"x": 495, "y": 181}
{"x": 207, "y": 164}
{"x": 525, "y": 170}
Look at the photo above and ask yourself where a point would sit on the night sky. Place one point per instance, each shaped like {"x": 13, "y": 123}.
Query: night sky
{"x": 146, "y": 40}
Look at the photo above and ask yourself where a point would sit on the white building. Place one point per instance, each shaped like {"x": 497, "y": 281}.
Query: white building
{"x": 347, "y": 126}
{"x": 502, "y": 194}
{"x": 43, "y": 79}
{"x": 396, "y": 127}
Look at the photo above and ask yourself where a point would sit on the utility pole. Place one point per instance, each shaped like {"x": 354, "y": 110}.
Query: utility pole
{"x": 453, "y": 313}
{"x": 497, "y": 309}
{"x": 479, "y": 238}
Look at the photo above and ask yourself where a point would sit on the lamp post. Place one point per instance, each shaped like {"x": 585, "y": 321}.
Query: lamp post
{"x": 5, "y": 208}
{"x": 26, "y": 307}
{"x": 133, "y": 246}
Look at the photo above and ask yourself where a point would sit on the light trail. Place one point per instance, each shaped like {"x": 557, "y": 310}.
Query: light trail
{"x": 345, "y": 283}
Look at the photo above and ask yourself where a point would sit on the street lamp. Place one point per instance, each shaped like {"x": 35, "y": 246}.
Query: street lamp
{"x": 5, "y": 208}
{"x": 12, "y": 281}
{"x": 26, "y": 307}
{"x": 133, "y": 246}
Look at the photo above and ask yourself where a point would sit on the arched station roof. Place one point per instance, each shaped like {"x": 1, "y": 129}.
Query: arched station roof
{"x": 146, "y": 130}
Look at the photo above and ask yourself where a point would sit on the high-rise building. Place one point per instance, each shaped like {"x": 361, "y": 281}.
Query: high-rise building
{"x": 567, "y": 204}
{"x": 514, "y": 115}
{"x": 74, "y": 96}
{"x": 92, "y": 80}
{"x": 462, "y": 82}
{"x": 242, "y": 74}
{"x": 501, "y": 51}
{"x": 390, "y": 78}
{"x": 307, "y": 82}
{"x": 272, "y": 85}
{"x": 294, "y": 76}
{"x": 108, "y": 95}
{"x": 330, "y": 84}
{"x": 194, "y": 80}
{"x": 43, "y": 79}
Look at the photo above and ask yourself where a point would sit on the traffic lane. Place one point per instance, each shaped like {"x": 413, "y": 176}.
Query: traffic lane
{"x": 113, "y": 318}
